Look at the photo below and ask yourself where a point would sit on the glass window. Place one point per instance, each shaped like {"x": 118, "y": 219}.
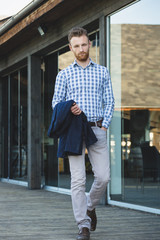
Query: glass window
{"x": 135, "y": 128}
{"x": 49, "y": 145}
{"x": 4, "y": 128}
{"x": 18, "y": 125}
{"x": 56, "y": 171}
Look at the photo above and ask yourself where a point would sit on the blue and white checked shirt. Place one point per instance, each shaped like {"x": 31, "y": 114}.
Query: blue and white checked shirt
{"x": 89, "y": 87}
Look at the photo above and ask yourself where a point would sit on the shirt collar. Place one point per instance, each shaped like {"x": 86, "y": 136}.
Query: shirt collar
{"x": 90, "y": 63}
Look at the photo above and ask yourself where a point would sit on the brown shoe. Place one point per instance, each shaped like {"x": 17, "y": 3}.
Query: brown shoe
{"x": 84, "y": 234}
{"x": 92, "y": 215}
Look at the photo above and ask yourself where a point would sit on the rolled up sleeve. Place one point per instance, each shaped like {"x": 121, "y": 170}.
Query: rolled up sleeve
{"x": 108, "y": 101}
{"x": 60, "y": 89}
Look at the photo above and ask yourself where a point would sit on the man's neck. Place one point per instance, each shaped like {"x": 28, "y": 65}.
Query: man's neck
{"x": 83, "y": 64}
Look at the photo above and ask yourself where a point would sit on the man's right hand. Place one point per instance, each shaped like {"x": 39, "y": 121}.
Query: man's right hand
{"x": 75, "y": 109}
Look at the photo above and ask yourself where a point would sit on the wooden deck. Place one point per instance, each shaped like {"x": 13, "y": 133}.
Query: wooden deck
{"x": 42, "y": 215}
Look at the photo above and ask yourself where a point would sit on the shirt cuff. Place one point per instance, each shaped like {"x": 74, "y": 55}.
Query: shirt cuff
{"x": 105, "y": 124}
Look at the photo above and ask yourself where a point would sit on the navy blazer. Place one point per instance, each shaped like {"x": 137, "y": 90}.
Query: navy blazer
{"x": 71, "y": 129}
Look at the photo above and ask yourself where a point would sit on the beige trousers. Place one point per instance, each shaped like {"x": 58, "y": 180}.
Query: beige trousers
{"x": 99, "y": 159}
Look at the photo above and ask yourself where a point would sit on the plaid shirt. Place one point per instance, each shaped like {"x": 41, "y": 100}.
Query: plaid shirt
{"x": 89, "y": 87}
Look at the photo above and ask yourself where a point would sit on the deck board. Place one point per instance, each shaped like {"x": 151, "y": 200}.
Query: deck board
{"x": 39, "y": 215}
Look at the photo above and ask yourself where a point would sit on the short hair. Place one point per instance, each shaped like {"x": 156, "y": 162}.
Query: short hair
{"x": 77, "y": 32}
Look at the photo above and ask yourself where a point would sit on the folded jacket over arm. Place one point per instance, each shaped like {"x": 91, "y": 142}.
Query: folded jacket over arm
{"x": 71, "y": 129}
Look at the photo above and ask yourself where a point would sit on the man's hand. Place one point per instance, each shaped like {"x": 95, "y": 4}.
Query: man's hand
{"x": 75, "y": 109}
{"x": 104, "y": 129}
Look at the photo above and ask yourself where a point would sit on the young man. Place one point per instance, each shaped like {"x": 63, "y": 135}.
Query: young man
{"x": 89, "y": 85}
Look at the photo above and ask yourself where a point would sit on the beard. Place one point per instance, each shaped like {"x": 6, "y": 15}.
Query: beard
{"x": 83, "y": 56}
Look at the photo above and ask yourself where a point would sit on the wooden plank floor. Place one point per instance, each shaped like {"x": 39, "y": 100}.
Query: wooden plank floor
{"x": 42, "y": 215}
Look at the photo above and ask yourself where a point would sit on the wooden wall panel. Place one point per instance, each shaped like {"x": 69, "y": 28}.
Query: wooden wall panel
{"x": 58, "y": 30}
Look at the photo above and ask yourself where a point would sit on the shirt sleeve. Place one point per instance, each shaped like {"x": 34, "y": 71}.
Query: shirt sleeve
{"x": 108, "y": 100}
{"x": 60, "y": 89}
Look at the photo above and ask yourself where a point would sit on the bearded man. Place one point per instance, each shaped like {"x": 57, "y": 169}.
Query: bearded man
{"x": 89, "y": 85}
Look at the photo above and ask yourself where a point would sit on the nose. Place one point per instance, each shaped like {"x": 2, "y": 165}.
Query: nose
{"x": 81, "y": 48}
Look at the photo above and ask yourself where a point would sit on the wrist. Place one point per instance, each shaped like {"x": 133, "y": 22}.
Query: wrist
{"x": 103, "y": 128}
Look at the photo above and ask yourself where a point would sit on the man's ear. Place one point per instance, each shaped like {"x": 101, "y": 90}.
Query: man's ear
{"x": 70, "y": 47}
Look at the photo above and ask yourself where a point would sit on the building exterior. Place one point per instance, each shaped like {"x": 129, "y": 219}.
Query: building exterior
{"x": 3, "y": 20}
{"x": 34, "y": 47}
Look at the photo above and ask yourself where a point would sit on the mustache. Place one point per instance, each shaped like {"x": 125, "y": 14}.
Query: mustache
{"x": 82, "y": 53}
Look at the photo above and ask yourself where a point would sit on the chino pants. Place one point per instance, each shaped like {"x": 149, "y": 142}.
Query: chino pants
{"x": 99, "y": 159}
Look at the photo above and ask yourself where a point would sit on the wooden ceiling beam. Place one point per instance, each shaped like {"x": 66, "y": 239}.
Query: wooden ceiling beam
{"x": 32, "y": 17}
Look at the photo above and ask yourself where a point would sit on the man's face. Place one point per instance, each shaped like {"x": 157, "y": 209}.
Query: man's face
{"x": 80, "y": 47}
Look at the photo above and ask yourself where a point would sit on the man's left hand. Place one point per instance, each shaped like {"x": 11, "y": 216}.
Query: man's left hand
{"x": 104, "y": 129}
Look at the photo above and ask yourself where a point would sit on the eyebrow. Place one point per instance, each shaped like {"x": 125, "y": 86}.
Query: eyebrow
{"x": 77, "y": 45}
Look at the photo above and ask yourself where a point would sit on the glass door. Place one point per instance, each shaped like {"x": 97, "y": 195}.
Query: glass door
{"x": 49, "y": 145}
{"x": 18, "y": 125}
{"x": 135, "y": 128}
{"x": 4, "y": 147}
{"x": 56, "y": 170}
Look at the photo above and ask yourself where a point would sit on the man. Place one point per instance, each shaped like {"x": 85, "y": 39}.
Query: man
{"x": 89, "y": 85}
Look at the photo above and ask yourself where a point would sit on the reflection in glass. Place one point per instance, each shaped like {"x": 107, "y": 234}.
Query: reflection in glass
{"x": 135, "y": 129}
{"x": 49, "y": 146}
{"x": 18, "y": 129}
{"x": 56, "y": 171}
{"x": 4, "y": 147}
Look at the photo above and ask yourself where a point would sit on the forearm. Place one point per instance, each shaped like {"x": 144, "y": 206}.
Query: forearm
{"x": 108, "y": 113}
{"x": 108, "y": 101}
{"x": 60, "y": 90}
